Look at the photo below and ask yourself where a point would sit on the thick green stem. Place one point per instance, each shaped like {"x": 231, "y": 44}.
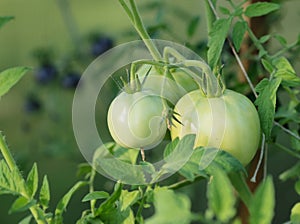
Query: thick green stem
{"x": 91, "y": 189}
{"x": 7, "y": 154}
{"x": 13, "y": 167}
{"x": 140, "y": 28}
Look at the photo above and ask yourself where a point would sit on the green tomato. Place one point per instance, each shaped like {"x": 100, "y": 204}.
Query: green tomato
{"x": 137, "y": 120}
{"x": 170, "y": 89}
{"x": 229, "y": 122}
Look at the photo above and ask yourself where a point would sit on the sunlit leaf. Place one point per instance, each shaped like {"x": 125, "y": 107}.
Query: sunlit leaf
{"x": 266, "y": 102}
{"x": 10, "y": 77}
{"x": 221, "y": 197}
{"x": 260, "y": 9}
{"x": 170, "y": 207}
{"x": 21, "y": 204}
{"x": 32, "y": 180}
{"x": 44, "y": 197}
{"x": 216, "y": 40}
{"x": 263, "y": 203}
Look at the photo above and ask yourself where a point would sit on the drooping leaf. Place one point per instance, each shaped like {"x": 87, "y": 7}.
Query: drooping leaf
{"x": 95, "y": 196}
{"x": 216, "y": 40}
{"x": 266, "y": 102}
{"x": 261, "y": 8}
{"x": 5, "y": 19}
{"x": 10, "y": 77}
{"x": 44, "y": 196}
{"x": 262, "y": 205}
{"x": 220, "y": 196}
{"x": 170, "y": 207}
{"x": 238, "y": 34}
{"x": 295, "y": 214}
{"x": 32, "y": 180}
{"x": 192, "y": 27}
{"x": 21, "y": 204}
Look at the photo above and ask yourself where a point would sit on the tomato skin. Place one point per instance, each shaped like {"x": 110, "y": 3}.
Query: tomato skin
{"x": 229, "y": 122}
{"x": 173, "y": 89}
{"x": 137, "y": 120}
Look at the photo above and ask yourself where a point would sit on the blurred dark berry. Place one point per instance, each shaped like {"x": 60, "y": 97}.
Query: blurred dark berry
{"x": 100, "y": 45}
{"x": 45, "y": 74}
{"x": 32, "y": 105}
{"x": 70, "y": 81}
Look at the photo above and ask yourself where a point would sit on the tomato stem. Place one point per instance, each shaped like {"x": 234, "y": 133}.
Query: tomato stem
{"x": 136, "y": 20}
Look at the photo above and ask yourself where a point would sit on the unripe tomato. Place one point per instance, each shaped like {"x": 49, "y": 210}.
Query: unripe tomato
{"x": 229, "y": 122}
{"x": 137, "y": 120}
{"x": 170, "y": 89}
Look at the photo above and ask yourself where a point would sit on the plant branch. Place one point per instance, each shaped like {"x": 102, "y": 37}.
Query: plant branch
{"x": 291, "y": 152}
{"x": 136, "y": 21}
{"x": 13, "y": 167}
{"x": 184, "y": 183}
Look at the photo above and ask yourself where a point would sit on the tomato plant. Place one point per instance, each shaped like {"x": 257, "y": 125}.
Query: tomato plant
{"x": 199, "y": 111}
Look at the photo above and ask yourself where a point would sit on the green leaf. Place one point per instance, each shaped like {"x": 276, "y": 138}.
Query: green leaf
{"x": 264, "y": 38}
{"x": 44, "y": 197}
{"x": 295, "y": 214}
{"x": 26, "y": 220}
{"x": 293, "y": 172}
{"x": 117, "y": 162}
{"x": 238, "y": 34}
{"x": 286, "y": 72}
{"x": 110, "y": 202}
{"x": 192, "y": 27}
{"x": 266, "y": 102}
{"x": 95, "y": 196}
{"x": 180, "y": 154}
{"x": 63, "y": 203}
{"x": 216, "y": 40}
{"x": 170, "y": 147}
{"x": 5, "y": 19}
{"x": 224, "y": 10}
{"x": 21, "y": 204}
{"x": 128, "y": 198}
{"x": 32, "y": 180}
{"x": 262, "y": 205}
{"x": 10, "y": 77}
{"x": 261, "y": 8}
{"x": 267, "y": 65}
{"x": 280, "y": 39}
{"x": 10, "y": 183}
{"x": 220, "y": 196}
{"x": 170, "y": 208}
{"x": 191, "y": 169}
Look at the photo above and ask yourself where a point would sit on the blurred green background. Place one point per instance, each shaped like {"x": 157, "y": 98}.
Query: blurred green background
{"x": 46, "y": 135}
